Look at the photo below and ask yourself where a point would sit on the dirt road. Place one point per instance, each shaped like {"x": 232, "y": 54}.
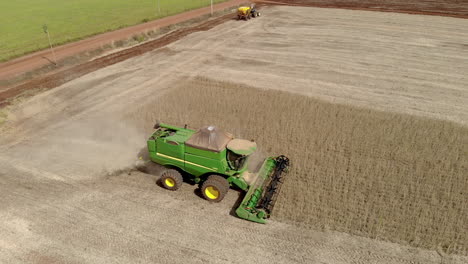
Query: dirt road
{"x": 35, "y": 60}
{"x": 64, "y": 155}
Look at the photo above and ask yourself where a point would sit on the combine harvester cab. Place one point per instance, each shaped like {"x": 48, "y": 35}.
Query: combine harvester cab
{"x": 217, "y": 160}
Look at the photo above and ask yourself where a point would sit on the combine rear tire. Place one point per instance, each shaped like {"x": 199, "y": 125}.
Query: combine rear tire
{"x": 171, "y": 179}
{"x": 215, "y": 188}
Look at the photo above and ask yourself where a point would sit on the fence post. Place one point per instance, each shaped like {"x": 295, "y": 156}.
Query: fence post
{"x": 159, "y": 8}
{"x": 46, "y": 30}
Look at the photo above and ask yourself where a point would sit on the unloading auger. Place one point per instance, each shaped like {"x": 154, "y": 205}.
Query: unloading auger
{"x": 216, "y": 160}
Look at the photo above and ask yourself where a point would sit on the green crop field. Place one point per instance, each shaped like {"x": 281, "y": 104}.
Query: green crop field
{"x": 21, "y": 21}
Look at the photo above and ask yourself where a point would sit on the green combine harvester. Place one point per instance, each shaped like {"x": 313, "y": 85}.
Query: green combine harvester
{"x": 217, "y": 160}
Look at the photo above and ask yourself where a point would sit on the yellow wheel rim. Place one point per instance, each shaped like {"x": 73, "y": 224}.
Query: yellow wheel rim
{"x": 211, "y": 192}
{"x": 169, "y": 182}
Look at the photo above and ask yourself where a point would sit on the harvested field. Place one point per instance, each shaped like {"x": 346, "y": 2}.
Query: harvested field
{"x": 455, "y": 8}
{"x": 381, "y": 97}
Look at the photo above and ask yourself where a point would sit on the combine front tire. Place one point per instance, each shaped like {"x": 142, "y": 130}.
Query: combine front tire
{"x": 215, "y": 188}
{"x": 171, "y": 179}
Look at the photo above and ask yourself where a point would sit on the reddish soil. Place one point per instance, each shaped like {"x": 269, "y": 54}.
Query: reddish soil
{"x": 452, "y": 8}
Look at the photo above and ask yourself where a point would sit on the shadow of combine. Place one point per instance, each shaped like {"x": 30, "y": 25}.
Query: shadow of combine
{"x": 49, "y": 60}
{"x": 240, "y": 197}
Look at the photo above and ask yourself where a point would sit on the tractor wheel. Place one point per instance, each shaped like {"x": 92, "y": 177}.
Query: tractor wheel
{"x": 215, "y": 188}
{"x": 258, "y": 14}
{"x": 171, "y": 179}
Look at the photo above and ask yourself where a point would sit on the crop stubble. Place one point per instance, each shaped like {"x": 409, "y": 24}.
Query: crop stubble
{"x": 378, "y": 174}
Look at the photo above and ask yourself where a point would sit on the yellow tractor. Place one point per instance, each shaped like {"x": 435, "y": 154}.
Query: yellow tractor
{"x": 246, "y": 12}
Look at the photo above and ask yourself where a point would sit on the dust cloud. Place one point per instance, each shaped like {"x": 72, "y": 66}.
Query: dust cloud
{"x": 85, "y": 148}
{"x": 256, "y": 160}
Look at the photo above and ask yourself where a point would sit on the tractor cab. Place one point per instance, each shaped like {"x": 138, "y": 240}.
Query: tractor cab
{"x": 253, "y": 9}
